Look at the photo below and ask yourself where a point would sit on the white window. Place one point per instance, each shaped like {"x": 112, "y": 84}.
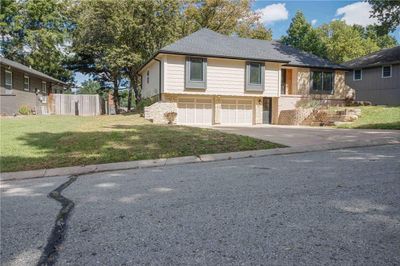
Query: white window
{"x": 44, "y": 87}
{"x": 26, "y": 83}
{"x": 357, "y": 74}
{"x": 386, "y": 71}
{"x": 8, "y": 82}
{"x": 148, "y": 76}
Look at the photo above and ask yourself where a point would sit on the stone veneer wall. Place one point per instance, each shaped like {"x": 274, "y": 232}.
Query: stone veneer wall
{"x": 156, "y": 111}
{"x": 288, "y": 104}
{"x": 294, "y": 117}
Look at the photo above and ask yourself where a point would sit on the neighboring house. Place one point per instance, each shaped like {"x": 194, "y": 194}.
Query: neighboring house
{"x": 21, "y": 85}
{"x": 376, "y": 77}
{"x": 209, "y": 78}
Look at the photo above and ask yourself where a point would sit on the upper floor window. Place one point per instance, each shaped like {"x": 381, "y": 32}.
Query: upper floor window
{"x": 255, "y": 73}
{"x": 196, "y": 69}
{"x": 148, "y": 76}
{"x": 44, "y": 87}
{"x": 8, "y": 82}
{"x": 322, "y": 81}
{"x": 357, "y": 74}
{"x": 386, "y": 71}
{"x": 196, "y": 73}
{"x": 26, "y": 83}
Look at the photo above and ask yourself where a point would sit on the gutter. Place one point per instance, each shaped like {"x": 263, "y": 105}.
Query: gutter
{"x": 159, "y": 80}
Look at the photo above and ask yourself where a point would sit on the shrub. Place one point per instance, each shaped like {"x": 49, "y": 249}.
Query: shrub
{"x": 143, "y": 103}
{"x": 170, "y": 116}
{"x": 25, "y": 110}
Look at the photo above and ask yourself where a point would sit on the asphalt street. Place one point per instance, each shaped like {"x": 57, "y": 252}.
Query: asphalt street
{"x": 338, "y": 207}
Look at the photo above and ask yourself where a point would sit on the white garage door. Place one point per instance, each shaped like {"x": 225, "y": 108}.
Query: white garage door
{"x": 194, "y": 111}
{"x": 234, "y": 112}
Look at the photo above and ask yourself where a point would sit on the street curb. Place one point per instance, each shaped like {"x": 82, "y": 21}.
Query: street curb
{"x": 88, "y": 169}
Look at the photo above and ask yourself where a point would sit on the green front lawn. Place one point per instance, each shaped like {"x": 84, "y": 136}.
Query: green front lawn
{"x": 37, "y": 142}
{"x": 377, "y": 117}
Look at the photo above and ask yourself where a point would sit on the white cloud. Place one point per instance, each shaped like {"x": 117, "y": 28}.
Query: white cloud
{"x": 313, "y": 22}
{"x": 274, "y": 12}
{"x": 357, "y": 13}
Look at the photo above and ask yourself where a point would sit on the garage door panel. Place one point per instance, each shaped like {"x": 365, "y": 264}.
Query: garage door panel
{"x": 236, "y": 112}
{"x": 194, "y": 111}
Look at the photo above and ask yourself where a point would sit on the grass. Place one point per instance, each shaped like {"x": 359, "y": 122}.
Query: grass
{"x": 37, "y": 142}
{"x": 377, "y": 117}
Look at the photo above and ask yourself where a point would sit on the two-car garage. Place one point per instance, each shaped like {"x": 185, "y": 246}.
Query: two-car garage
{"x": 202, "y": 111}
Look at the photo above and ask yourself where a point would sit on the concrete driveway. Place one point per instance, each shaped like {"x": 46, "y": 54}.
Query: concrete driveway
{"x": 295, "y": 136}
{"x": 338, "y": 207}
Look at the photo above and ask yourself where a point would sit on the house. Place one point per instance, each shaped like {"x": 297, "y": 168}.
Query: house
{"x": 213, "y": 79}
{"x": 376, "y": 77}
{"x": 23, "y": 86}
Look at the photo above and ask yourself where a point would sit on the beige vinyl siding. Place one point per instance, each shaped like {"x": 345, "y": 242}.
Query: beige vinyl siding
{"x": 174, "y": 74}
{"x": 153, "y": 87}
{"x": 224, "y": 77}
{"x": 272, "y": 77}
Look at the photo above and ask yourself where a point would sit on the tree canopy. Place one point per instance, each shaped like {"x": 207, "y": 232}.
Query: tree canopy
{"x": 230, "y": 17}
{"x": 35, "y": 33}
{"x": 336, "y": 40}
{"x": 387, "y": 12}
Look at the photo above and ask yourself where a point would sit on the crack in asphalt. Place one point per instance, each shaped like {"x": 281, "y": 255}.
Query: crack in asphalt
{"x": 50, "y": 252}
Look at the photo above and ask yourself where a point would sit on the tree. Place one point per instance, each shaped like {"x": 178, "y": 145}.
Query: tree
{"x": 94, "y": 44}
{"x": 344, "y": 42}
{"x": 114, "y": 38}
{"x": 223, "y": 16}
{"x": 301, "y": 35}
{"x": 142, "y": 28}
{"x": 35, "y": 33}
{"x": 387, "y": 12}
{"x": 374, "y": 32}
{"x": 257, "y": 31}
{"x": 90, "y": 87}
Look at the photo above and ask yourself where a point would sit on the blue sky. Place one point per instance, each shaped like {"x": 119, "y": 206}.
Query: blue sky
{"x": 277, "y": 15}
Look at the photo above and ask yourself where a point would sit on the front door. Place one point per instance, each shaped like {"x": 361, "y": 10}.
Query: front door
{"x": 267, "y": 107}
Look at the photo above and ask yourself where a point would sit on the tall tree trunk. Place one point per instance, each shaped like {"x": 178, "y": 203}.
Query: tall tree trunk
{"x": 130, "y": 97}
{"x": 135, "y": 88}
{"x": 116, "y": 96}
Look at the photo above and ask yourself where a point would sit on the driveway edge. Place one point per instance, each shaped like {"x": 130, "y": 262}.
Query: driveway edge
{"x": 96, "y": 168}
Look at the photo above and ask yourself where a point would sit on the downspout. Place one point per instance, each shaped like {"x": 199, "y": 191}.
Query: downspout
{"x": 159, "y": 80}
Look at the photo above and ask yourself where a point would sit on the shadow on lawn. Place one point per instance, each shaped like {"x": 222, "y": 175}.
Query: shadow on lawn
{"x": 123, "y": 143}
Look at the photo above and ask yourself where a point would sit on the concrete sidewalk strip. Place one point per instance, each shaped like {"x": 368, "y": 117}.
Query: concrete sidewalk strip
{"x": 70, "y": 170}
{"x": 75, "y": 170}
{"x": 182, "y": 160}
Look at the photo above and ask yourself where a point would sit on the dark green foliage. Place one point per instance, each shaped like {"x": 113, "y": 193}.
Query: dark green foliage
{"x": 34, "y": 33}
{"x": 387, "y": 12}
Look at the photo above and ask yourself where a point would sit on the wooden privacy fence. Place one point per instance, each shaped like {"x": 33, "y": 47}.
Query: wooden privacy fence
{"x": 80, "y": 104}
